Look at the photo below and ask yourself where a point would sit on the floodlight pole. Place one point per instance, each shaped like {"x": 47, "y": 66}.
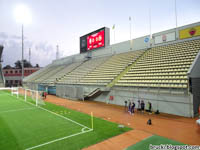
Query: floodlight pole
{"x": 150, "y": 23}
{"x": 175, "y": 13}
{"x": 130, "y": 33}
{"x": 176, "y": 18}
{"x": 22, "y": 53}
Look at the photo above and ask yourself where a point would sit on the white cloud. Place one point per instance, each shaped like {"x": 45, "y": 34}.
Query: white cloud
{"x": 42, "y": 53}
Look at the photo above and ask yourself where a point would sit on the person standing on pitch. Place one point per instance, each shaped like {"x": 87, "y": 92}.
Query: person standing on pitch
{"x": 126, "y": 107}
{"x": 129, "y": 106}
{"x": 139, "y": 105}
{"x": 132, "y": 108}
{"x": 150, "y": 107}
{"x": 45, "y": 95}
{"x": 142, "y": 106}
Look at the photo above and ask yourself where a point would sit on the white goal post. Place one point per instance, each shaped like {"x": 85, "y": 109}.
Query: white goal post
{"x": 29, "y": 95}
{"x": 14, "y": 91}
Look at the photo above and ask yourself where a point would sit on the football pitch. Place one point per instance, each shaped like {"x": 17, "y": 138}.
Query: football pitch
{"x": 153, "y": 140}
{"x": 23, "y": 126}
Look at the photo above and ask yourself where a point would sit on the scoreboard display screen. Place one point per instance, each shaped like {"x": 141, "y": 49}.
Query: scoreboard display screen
{"x": 93, "y": 40}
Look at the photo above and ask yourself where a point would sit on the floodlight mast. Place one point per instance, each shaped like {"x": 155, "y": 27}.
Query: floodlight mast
{"x": 23, "y": 16}
{"x": 22, "y": 54}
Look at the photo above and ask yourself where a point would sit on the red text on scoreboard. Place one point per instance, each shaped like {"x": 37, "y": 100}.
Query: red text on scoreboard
{"x": 96, "y": 40}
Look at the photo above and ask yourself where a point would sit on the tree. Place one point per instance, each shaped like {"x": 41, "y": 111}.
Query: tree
{"x": 27, "y": 64}
{"x": 18, "y": 64}
{"x": 37, "y": 66}
{"x": 7, "y": 67}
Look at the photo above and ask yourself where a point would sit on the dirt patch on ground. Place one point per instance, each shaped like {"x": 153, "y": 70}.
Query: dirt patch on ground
{"x": 177, "y": 128}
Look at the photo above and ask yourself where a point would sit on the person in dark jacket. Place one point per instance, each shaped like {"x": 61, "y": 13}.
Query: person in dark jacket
{"x": 142, "y": 105}
{"x": 126, "y": 107}
{"x": 132, "y": 108}
{"x": 139, "y": 105}
{"x": 150, "y": 107}
{"x": 129, "y": 106}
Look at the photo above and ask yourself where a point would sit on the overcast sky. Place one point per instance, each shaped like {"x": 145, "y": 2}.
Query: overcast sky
{"x": 62, "y": 22}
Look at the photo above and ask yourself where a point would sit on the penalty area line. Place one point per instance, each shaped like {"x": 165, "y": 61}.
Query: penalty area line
{"x": 14, "y": 110}
{"x": 56, "y": 114}
{"x": 56, "y": 140}
{"x": 22, "y": 100}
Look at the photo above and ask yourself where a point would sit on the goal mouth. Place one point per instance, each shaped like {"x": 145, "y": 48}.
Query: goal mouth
{"x": 31, "y": 96}
{"x": 5, "y": 90}
{"x": 23, "y": 104}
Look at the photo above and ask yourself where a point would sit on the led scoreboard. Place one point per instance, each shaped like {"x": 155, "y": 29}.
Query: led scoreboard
{"x": 94, "y": 40}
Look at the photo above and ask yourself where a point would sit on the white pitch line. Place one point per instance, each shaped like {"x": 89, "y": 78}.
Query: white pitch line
{"x": 59, "y": 115}
{"x": 53, "y": 141}
{"x": 82, "y": 131}
{"x": 56, "y": 114}
{"x": 16, "y": 110}
{"x": 22, "y": 100}
{"x": 64, "y": 117}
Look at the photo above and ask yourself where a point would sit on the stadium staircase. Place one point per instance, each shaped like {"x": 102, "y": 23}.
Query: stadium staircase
{"x": 108, "y": 70}
{"x": 115, "y": 80}
{"x": 162, "y": 67}
{"x": 94, "y": 93}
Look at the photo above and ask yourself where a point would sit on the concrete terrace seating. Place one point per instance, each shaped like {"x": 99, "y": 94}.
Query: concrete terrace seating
{"x": 51, "y": 71}
{"x": 38, "y": 74}
{"x": 106, "y": 72}
{"x": 163, "y": 66}
{"x": 77, "y": 74}
{"x": 58, "y": 75}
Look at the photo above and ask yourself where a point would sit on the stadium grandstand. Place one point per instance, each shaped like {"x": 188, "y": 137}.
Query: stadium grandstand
{"x": 2, "y": 81}
{"x": 163, "y": 70}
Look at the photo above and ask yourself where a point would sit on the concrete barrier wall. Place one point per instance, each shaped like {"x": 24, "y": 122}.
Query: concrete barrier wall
{"x": 70, "y": 92}
{"x": 178, "y": 104}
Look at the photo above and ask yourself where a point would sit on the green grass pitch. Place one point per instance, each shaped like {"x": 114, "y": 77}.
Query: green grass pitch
{"x": 49, "y": 127}
{"x": 154, "y": 140}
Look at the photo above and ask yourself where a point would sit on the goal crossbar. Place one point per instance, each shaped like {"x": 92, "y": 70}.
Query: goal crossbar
{"x": 32, "y": 94}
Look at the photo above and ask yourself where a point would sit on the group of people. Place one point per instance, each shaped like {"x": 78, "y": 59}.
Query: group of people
{"x": 130, "y": 106}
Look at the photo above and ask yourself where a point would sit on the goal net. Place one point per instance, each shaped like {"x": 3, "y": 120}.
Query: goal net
{"x": 14, "y": 91}
{"x": 31, "y": 96}
{"x": 7, "y": 91}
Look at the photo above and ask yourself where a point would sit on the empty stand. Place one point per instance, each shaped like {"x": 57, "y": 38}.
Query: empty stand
{"x": 57, "y": 76}
{"x": 50, "y": 72}
{"x": 110, "y": 69}
{"x": 37, "y": 75}
{"x": 77, "y": 74}
{"x": 162, "y": 66}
